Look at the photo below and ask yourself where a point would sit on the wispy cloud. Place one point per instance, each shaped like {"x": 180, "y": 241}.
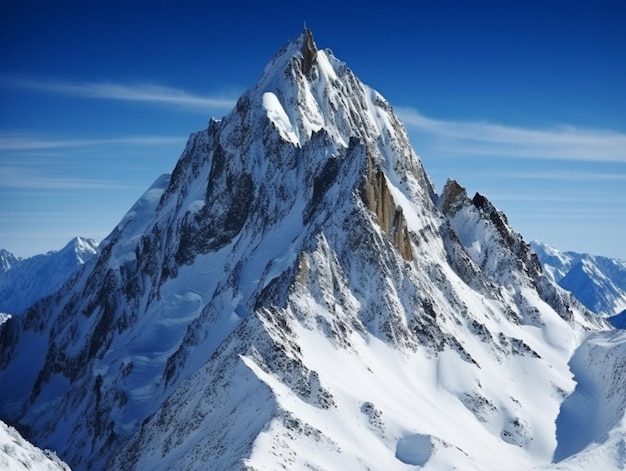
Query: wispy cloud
{"x": 15, "y": 141}
{"x": 546, "y": 198}
{"x": 489, "y": 139}
{"x": 135, "y": 93}
{"x": 575, "y": 216}
{"x": 52, "y": 183}
{"x": 21, "y": 178}
{"x": 567, "y": 176}
{"x": 35, "y": 163}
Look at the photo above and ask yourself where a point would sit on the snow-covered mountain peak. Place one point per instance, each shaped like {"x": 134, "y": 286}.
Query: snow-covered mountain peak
{"x": 304, "y": 90}
{"x": 291, "y": 297}
{"x": 303, "y": 48}
{"x": 25, "y": 280}
{"x": 453, "y": 197}
{"x": 7, "y": 260}
{"x": 481, "y": 228}
{"x": 497, "y": 253}
{"x": 82, "y": 247}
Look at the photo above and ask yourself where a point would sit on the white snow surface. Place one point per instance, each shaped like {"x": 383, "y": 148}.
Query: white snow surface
{"x": 591, "y": 426}
{"x": 17, "y": 454}
{"x": 254, "y": 311}
{"x": 496, "y": 414}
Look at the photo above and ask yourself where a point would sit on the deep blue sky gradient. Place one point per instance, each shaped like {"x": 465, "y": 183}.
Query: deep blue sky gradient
{"x": 524, "y": 102}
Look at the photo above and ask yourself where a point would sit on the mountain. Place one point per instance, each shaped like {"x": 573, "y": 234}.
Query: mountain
{"x": 24, "y": 281}
{"x": 598, "y": 282}
{"x": 16, "y": 454}
{"x": 7, "y": 260}
{"x": 296, "y": 295}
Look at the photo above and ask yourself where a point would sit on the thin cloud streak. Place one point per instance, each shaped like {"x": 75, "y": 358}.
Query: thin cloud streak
{"x": 572, "y": 218}
{"x": 585, "y": 199}
{"x": 488, "y": 139}
{"x": 23, "y": 179}
{"x": 555, "y": 176}
{"x": 50, "y": 183}
{"x": 59, "y": 184}
{"x": 25, "y": 142}
{"x": 134, "y": 93}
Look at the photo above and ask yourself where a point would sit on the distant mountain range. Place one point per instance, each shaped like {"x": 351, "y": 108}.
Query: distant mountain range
{"x": 597, "y": 282}
{"x": 25, "y": 280}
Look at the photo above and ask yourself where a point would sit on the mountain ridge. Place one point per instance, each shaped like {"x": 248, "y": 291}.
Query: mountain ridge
{"x": 25, "y": 280}
{"x": 598, "y": 282}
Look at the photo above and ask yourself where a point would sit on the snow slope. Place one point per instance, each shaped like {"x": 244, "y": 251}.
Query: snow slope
{"x": 591, "y": 426}
{"x": 295, "y": 295}
{"x": 16, "y": 454}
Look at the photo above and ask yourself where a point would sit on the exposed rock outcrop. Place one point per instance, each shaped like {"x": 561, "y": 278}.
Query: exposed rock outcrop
{"x": 378, "y": 199}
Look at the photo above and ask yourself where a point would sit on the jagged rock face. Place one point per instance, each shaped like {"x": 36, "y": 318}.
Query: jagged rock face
{"x": 378, "y": 199}
{"x": 497, "y": 253}
{"x": 472, "y": 219}
{"x": 298, "y": 231}
{"x": 309, "y": 52}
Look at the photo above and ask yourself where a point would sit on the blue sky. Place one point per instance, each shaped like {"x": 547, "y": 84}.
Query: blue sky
{"x": 524, "y": 102}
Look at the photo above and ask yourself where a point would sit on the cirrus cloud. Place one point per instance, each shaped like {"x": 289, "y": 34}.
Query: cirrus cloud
{"x": 482, "y": 138}
{"x": 16, "y": 141}
{"x": 147, "y": 93}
